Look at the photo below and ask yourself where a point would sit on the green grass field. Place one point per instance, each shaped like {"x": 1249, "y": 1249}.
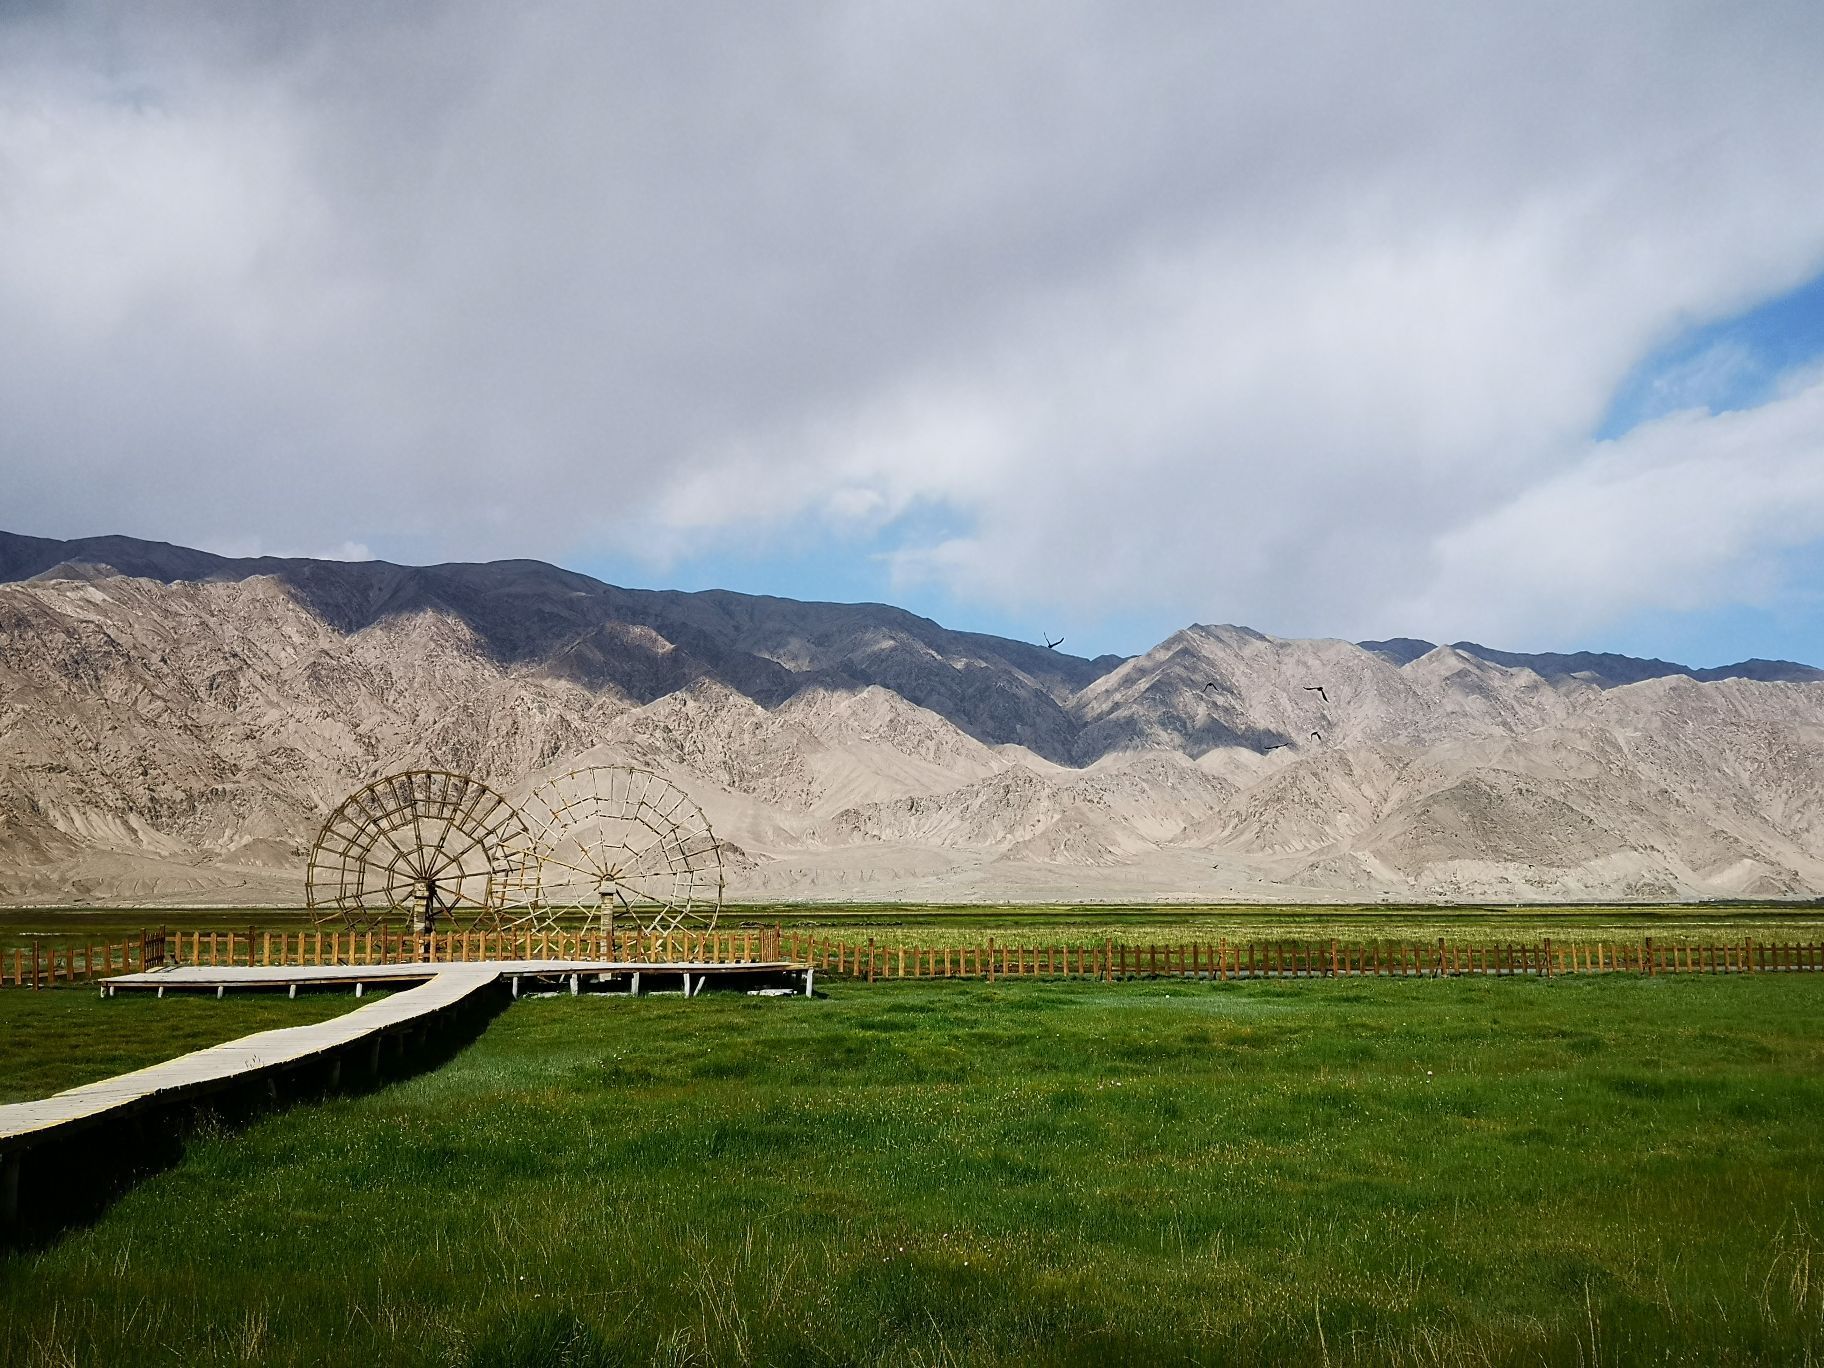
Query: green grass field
{"x": 910, "y": 925}
{"x": 1428, "y": 1172}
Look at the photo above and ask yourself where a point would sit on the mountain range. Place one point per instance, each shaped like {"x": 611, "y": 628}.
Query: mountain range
{"x": 174, "y": 725}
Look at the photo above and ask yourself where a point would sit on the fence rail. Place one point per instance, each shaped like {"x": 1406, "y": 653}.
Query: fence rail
{"x": 1223, "y": 961}
{"x": 44, "y": 967}
{"x": 48, "y": 966}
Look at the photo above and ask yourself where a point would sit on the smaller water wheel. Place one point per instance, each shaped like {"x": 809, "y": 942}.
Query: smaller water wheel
{"x": 622, "y": 849}
{"x": 425, "y": 848}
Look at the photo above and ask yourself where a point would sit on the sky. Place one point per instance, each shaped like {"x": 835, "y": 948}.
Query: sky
{"x": 1497, "y": 322}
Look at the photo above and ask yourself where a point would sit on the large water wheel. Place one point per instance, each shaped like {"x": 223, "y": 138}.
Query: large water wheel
{"x": 425, "y": 848}
{"x": 620, "y": 849}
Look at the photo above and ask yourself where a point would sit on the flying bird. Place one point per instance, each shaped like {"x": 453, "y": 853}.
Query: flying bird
{"x": 1051, "y": 645}
{"x": 1317, "y": 689}
{"x": 1277, "y": 745}
{"x": 1216, "y": 687}
{"x": 1317, "y": 736}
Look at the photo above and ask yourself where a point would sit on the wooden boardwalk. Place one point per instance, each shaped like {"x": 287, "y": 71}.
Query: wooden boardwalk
{"x": 690, "y": 977}
{"x": 432, "y": 994}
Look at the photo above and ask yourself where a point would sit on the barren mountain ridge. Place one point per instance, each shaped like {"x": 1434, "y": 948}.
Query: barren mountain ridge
{"x": 174, "y": 725}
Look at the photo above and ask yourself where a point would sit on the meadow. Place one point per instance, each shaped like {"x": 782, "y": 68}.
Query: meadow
{"x": 890, "y": 924}
{"x": 1572, "y": 1171}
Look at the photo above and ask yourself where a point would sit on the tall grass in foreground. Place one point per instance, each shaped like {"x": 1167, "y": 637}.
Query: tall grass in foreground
{"x": 1575, "y": 1171}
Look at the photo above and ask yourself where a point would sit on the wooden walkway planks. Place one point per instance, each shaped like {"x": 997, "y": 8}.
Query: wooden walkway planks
{"x": 24, "y": 1124}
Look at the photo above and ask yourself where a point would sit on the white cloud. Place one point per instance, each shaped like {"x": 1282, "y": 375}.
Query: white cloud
{"x": 1272, "y": 316}
{"x": 1688, "y": 513}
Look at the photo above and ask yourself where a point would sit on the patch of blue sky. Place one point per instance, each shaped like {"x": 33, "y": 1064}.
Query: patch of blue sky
{"x": 811, "y": 560}
{"x": 1724, "y": 634}
{"x": 817, "y": 569}
{"x": 816, "y": 562}
{"x": 1724, "y": 365}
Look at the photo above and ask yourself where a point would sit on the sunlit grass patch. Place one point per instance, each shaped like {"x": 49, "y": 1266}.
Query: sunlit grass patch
{"x": 1444, "y": 1172}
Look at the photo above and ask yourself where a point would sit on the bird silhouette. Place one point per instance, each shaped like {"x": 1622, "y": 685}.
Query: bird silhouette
{"x": 1317, "y": 689}
{"x": 1051, "y": 645}
{"x": 1214, "y": 686}
{"x": 1277, "y": 745}
{"x": 1317, "y": 736}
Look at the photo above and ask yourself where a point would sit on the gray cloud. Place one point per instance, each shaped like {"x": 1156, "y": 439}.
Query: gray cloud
{"x": 1284, "y": 317}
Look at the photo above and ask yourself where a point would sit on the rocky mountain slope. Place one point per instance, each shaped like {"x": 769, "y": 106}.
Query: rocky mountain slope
{"x": 174, "y": 725}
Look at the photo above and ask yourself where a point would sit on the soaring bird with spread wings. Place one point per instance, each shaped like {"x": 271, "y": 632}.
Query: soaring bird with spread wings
{"x": 1317, "y": 689}
{"x": 1051, "y": 645}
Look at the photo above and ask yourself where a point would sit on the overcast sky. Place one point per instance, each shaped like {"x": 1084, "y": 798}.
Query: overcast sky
{"x": 1447, "y": 320}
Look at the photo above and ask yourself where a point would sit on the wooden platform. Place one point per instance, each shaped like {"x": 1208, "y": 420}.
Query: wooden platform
{"x": 627, "y": 976}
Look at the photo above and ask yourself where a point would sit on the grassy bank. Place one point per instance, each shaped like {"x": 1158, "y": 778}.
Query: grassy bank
{"x": 1506, "y": 1172}
{"x": 59, "y": 1038}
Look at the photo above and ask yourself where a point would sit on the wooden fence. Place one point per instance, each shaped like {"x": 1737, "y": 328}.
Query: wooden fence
{"x": 46, "y": 967}
{"x": 1300, "y": 959}
{"x": 1110, "y": 961}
